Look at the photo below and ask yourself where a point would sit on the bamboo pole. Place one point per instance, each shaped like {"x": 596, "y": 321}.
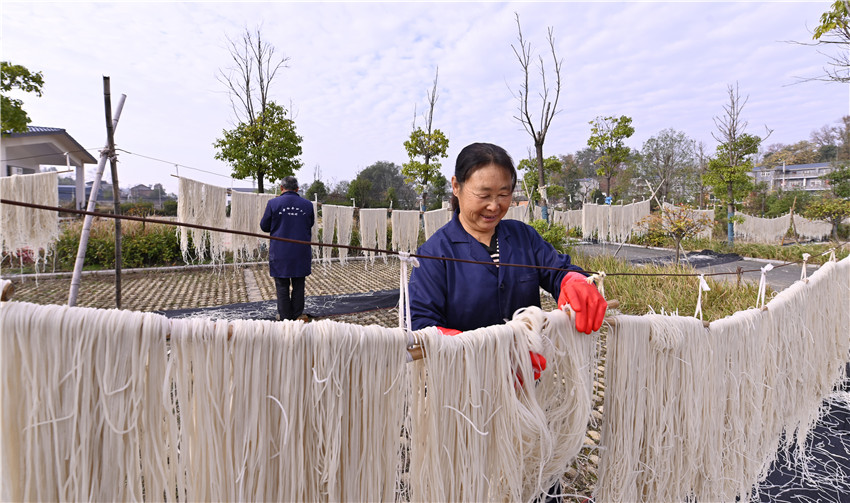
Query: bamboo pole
{"x": 87, "y": 221}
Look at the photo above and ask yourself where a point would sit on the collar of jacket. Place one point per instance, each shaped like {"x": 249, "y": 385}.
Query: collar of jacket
{"x": 457, "y": 234}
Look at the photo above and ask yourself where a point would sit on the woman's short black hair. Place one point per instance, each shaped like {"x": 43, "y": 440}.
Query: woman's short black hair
{"x": 479, "y": 155}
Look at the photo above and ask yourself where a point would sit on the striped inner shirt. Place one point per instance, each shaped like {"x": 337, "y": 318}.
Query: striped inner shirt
{"x": 493, "y": 249}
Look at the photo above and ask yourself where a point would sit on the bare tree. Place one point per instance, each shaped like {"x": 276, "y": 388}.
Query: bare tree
{"x": 832, "y": 38}
{"x": 248, "y": 81}
{"x": 548, "y": 106}
{"x": 728, "y": 171}
{"x": 700, "y": 167}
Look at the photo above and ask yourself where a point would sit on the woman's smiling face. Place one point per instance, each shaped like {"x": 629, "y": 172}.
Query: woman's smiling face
{"x": 483, "y": 200}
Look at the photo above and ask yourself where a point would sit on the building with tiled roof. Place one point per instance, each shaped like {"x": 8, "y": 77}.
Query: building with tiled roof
{"x": 26, "y": 153}
{"x": 794, "y": 177}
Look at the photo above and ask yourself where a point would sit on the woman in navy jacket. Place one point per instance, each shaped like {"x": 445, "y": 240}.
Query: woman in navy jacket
{"x": 463, "y": 296}
{"x": 458, "y": 296}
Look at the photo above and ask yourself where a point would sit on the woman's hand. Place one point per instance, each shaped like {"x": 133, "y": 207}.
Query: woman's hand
{"x": 586, "y": 301}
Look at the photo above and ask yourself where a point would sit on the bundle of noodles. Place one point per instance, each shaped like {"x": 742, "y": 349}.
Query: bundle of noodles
{"x": 569, "y": 219}
{"x": 27, "y": 232}
{"x": 811, "y": 229}
{"x": 341, "y": 220}
{"x": 314, "y": 232}
{"x": 373, "y": 230}
{"x": 435, "y": 219}
{"x": 202, "y": 204}
{"x": 517, "y": 213}
{"x": 246, "y": 210}
{"x": 405, "y": 225}
{"x": 698, "y": 413}
{"x": 762, "y": 230}
{"x": 594, "y": 220}
{"x": 479, "y": 435}
{"x": 98, "y": 405}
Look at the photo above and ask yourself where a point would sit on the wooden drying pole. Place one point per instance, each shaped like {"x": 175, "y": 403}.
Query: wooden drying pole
{"x": 793, "y": 225}
{"x": 87, "y": 221}
{"x": 116, "y": 194}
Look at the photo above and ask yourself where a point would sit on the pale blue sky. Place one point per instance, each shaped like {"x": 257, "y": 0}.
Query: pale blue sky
{"x": 357, "y": 70}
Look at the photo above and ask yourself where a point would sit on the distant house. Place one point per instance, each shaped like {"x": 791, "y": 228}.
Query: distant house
{"x": 141, "y": 192}
{"x": 26, "y": 153}
{"x": 794, "y": 177}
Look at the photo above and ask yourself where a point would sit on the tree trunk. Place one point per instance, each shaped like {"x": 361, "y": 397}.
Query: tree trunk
{"x": 678, "y": 241}
{"x": 427, "y": 164}
{"x": 544, "y": 203}
{"x": 730, "y": 213}
{"x": 260, "y": 175}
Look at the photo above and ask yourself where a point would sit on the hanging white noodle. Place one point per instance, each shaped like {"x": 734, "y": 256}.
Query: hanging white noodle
{"x": 435, "y": 219}
{"x": 27, "y": 231}
{"x": 202, "y": 204}
{"x": 517, "y": 213}
{"x": 762, "y": 230}
{"x": 708, "y": 231}
{"x": 373, "y": 230}
{"x": 246, "y": 211}
{"x": 314, "y": 232}
{"x": 341, "y": 219}
{"x": 594, "y": 221}
{"x": 812, "y": 229}
{"x": 479, "y": 437}
{"x": 95, "y": 405}
{"x": 405, "y": 226}
{"x": 664, "y": 437}
{"x": 83, "y": 415}
{"x": 569, "y": 219}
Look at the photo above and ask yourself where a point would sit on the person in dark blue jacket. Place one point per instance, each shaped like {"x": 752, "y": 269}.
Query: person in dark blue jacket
{"x": 459, "y": 296}
{"x": 289, "y": 216}
{"x": 462, "y": 296}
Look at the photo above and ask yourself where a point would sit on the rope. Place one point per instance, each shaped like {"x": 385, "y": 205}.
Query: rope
{"x": 599, "y": 279}
{"x": 147, "y": 220}
{"x": 703, "y": 287}
{"x": 803, "y": 272}
{"x": 404, "y": 319}
{"x": 763, "y": 285}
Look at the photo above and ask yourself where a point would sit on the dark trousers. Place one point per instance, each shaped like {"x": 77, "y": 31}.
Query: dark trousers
{"x": 290, "y": 305}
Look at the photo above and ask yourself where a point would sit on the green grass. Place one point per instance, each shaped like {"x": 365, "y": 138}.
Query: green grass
{"x": 639, "y": 294}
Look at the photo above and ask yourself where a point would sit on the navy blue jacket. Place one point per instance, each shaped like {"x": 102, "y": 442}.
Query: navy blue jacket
{"x": 467, "y": 296}
{"x": 289, "y": 216}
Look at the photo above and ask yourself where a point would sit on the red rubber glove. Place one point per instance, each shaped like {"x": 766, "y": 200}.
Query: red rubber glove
{"x": 538, "y": 362}
{"x": 585, "y": 300}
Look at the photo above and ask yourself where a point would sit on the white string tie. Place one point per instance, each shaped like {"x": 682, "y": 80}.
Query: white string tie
{"x": 599, "y": 279}
{"x": 804, "y": 273}
{"x": 703, "y": 287}
{"x": 763, "y": 285}
{"x": 404, "y": 320}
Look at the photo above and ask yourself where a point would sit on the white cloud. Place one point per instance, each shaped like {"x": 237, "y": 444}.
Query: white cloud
{"x": 358, "y": 69}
